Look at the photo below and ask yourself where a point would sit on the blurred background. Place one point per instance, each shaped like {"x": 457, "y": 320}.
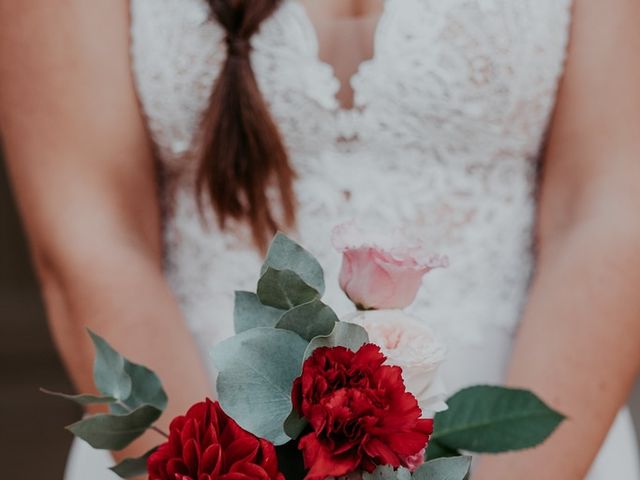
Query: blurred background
{"x": 31, "y": 432}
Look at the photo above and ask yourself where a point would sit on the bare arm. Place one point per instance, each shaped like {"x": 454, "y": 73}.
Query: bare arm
{"x": 579, "y": 342}
{"x": 83, "y": 174}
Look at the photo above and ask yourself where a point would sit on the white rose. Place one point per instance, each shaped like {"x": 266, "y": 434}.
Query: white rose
{"x": 410, "y": 344}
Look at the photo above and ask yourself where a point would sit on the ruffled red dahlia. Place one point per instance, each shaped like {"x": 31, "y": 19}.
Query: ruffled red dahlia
{"x": 360, "y": 412}
{"x": 206, "y": 444}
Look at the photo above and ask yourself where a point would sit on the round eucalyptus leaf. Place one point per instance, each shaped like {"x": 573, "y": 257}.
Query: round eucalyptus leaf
{"x": 344, "y": 334}
{"x": 284, "y": 289}
{"x": 256, "y": 372}
{"x": 453, "y": 468}
{"x": 387, "y": 473}
{"x": 249, "y": 312}
{"x": 309, "y": 320}
{"x": 285, "y": 254}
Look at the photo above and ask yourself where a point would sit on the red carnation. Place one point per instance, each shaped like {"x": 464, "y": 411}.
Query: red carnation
{"x": 359, "y": 410}
{"x": 206, "y": 444}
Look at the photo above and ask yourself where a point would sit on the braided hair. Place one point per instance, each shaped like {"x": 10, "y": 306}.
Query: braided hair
{"x": 242, "y": 151}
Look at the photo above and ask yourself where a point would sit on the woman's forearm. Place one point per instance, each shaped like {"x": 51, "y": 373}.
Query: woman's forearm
{"x": 84, "y": 176}
{"x": 124, "y": 297}
{"x": 578, "y": 345}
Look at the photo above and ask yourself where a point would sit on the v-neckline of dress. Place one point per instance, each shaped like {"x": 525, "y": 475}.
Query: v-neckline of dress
{"x": 309, "y": 27}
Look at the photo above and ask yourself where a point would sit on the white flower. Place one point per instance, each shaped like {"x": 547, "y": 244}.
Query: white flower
{"x": 410, "y": 344}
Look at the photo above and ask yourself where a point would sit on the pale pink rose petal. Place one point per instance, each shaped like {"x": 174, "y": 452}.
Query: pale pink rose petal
{"x": 414, "y": 461}
{"x": 409, "y": 343}
{"x": 382, "y": 271}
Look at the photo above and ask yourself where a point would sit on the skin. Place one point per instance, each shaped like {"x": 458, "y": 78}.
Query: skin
{"x": 578, "y": 343}
{"x": 83, "y": 173}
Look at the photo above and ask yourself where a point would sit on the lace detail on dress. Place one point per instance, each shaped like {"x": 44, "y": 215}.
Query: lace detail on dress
{"x": 449, "y": 118}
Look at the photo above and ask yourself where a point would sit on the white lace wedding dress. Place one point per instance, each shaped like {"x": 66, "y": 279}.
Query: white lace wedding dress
{"x": 449, "y": 118}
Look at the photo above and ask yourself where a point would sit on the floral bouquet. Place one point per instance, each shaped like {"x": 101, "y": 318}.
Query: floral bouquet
{"x": 304, "y": 394}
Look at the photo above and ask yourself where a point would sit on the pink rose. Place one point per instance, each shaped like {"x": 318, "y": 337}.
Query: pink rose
{"x": 381, "y": 271}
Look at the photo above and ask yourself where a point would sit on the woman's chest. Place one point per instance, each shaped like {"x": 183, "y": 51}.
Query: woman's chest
{"x": 446, "y": 77}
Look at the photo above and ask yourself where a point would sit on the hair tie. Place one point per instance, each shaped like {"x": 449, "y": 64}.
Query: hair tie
{"x": 238, "y": 47}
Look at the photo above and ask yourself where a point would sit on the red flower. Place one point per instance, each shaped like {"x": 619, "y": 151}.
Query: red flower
{"x": 206, "y": 444}
{"x": 360, "y": 413}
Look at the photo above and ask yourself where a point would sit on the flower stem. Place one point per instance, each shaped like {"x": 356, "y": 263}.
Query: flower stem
{"x": 160, "y": 432}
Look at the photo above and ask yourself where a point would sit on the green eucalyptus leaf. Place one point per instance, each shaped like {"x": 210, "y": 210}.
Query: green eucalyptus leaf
{"x": 81, "y": 399}
{"x": 437, "y": 450}
{"x": 284, "y": 289}
{"x": 249, "y": 312}
{"x": 109, "y": 373}
{"x": 387, "y": 473}
{"x": 453, "y": 468}
{"x": 131, "y": 384}
{"x": 285, "y": 254}
{"x": 489, "y": 419}
{"x": 146, "y": 389}
{"x": 132, "y": 467}
{"x": 115, "y": 432}
{"x": 256, "y": 372}
{"x": 344, "y": 334}
{"x": 309, "y": 320}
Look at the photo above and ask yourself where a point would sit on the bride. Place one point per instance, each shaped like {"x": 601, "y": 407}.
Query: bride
{"x": 505, "y": 132}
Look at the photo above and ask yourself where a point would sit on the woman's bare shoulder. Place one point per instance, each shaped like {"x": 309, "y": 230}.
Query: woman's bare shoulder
{"x": 73, "y": 133}
{"x": 594, "y": 139}
{"x": 64, "y": 59}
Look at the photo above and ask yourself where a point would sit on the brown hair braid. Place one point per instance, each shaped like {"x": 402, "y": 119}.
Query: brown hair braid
{"x": 242, "y": 150}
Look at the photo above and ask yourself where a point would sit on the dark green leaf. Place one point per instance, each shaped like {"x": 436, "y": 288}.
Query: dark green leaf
{"x": 81, "y": 399}
{"x": 309, "y": 320}
{"x": 344, "y": 334}
{"x": 294, "y": 425}
{"x": 109, "y": 373}
{"x": 115, "y": 432}
{"x": 256, "y": 372}
{"x": 454, "y": 468}
{"x": 436, "y": 450}
{"x": 285, "y": 254}
{"x": 249, "y": 312}
{"x": 132, "y": 467}
{"x": 489, "y": 419}
{"x": 284, "y": 289}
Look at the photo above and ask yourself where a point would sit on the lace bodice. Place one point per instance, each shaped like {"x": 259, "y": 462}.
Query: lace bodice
{"x": 449, "y": 119}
